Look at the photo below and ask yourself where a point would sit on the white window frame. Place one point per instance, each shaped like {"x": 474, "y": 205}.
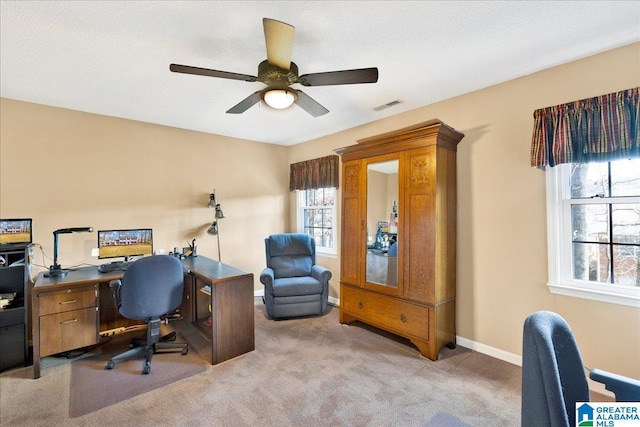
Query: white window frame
{"x": 301, "y": 204}
{"x": 559, "y": 239}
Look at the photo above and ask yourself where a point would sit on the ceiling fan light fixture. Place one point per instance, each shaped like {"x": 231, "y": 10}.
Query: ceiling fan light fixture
{"x": 279, "y": 98}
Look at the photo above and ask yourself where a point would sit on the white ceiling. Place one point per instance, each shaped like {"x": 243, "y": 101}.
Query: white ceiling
{"x": 113, "y": 58}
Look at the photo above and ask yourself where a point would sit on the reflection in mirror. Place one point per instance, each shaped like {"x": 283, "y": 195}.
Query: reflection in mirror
{"x": 382, "y": 223}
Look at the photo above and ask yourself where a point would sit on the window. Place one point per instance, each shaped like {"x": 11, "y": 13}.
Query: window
{"x": 593, "y": 213}
{"x": 316, "y": 214}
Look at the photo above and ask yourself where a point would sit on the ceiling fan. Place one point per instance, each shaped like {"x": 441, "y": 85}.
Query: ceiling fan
{"x": 279, "y": 73}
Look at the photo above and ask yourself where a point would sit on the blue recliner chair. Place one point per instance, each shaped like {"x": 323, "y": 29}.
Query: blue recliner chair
{"x": 150, "y": 288}
{"x": 553, "y": 376}
{"x": 294, "y": 285}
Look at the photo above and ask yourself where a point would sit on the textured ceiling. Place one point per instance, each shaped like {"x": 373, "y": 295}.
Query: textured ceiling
{"x": 113, "y": 58}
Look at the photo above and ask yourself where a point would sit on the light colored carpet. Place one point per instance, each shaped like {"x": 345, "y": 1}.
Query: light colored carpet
{"x": 304, "y": 372}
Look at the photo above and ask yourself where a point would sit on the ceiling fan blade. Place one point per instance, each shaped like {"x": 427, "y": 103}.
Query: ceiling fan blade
{"x": 309, "y": 104}
{"x": 246, "y": 103}
{"x": 278, "y": 37}
{"x": 186, "y": 69}
{"x": 345, "y": 77}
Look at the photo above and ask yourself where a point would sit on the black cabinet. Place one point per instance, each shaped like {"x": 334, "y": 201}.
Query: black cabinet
{"x": 14, "y": 338}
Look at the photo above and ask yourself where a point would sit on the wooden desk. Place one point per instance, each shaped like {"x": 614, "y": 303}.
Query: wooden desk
{"x": 224, "y": 316}
{"x": 70, "y": 312}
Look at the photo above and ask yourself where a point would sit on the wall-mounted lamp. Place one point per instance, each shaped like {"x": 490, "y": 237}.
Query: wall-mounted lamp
{"x": 56, "y": 269}
{"x": 279, "y": 98}
{"x": 219, "y": 214}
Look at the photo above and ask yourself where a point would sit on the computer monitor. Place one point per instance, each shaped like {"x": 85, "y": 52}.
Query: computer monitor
{"x": 125, "y": 243}
{"x": 15, "y": 232}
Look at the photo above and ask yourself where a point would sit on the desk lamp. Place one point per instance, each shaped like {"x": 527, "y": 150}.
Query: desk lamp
{"x": 56, "y": 269}
{"x": 213, "y": 229}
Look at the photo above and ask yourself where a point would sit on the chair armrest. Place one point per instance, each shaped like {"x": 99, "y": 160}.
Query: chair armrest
{"x": 626, "y": 389}
{"x": 115, "y": 289}
{"x": 267, "y": 276}
{"x": 322, "y": 274}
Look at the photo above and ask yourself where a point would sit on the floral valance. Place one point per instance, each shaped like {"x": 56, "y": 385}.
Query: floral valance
{"x": 314, "y": 174}
{"x": 602, "y": 128}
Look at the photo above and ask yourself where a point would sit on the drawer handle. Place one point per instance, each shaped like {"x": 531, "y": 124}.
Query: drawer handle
{"x": 69, "y": 321}
{"x": 403, "y": 318}
{"x": 360, "y": 304}
{"x": 73, "y": 301}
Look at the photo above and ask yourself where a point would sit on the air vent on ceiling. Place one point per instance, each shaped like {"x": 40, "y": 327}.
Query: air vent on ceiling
{"x": 387, "y": 105}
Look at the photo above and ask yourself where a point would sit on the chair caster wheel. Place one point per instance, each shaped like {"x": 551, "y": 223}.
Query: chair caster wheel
{"x": 146, "y": 369}
{"x": 110, "y": 365}
{"x": 185, "y": 351}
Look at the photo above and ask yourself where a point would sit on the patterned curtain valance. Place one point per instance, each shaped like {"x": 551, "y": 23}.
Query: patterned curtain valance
{"x": 603, "y": 128}
{"x": 314, "y": 174}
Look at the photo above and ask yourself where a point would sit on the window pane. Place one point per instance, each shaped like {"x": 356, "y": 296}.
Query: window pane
{"x": 330, "y": 196}
{"x": 626, "y": 223}
{"x": 311, "y": 194}
{"x": 591, "y": 262}
{"x": 589, "y": 180}
{"x": 590, "y": 223}
{"x": 327, "y": 218}
{"x": 308, "y": 218}
{"x": 318, "y": 209}
{"x": 625, "y": 178}
{"x": 317, "y": 218}
{"x": 625, "y": 265}
{"x": 327, "y": 238}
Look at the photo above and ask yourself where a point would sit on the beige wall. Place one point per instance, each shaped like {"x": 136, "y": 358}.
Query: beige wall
{"x": 502, "y": 245}
{"x": 66, "y": 168}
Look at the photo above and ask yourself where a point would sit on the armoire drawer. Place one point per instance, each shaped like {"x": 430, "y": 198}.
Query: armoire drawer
{"x": 69, "y": 330}
{"x": 390, "y": 313}
{"x": 67, "y": 300}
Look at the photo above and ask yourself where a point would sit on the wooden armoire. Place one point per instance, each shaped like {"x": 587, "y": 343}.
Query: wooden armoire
{"x": 401, "y": 279}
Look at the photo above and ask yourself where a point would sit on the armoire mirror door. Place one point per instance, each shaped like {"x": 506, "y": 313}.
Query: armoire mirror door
{"x": 382, "y": 222}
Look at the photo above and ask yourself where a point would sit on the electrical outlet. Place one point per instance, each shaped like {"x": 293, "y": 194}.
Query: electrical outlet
{"x": 95, "y": 252}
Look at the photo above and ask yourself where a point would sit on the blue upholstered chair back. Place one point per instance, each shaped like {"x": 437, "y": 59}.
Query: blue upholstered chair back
{"x": 290, "y": 255}
{"x": 553, "y": 376}
{"x": 151, "y": 287}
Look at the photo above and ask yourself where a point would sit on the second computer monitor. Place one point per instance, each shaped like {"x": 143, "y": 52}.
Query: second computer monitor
{"x": 125, "y": 243}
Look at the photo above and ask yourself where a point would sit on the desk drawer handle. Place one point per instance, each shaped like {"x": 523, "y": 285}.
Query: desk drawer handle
{"x": 403, "y": 318}
{"x": 73, "y": 301}
{"x": 69, "y": 321}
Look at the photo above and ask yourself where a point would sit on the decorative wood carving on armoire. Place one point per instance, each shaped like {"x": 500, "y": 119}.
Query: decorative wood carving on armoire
{"x": 398, "y": 238}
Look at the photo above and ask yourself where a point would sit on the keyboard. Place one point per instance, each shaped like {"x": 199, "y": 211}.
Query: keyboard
{"x": 113, "y": 266}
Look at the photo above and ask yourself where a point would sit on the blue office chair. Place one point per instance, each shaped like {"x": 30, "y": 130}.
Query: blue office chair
{"x": 150, "y": 288}
{"x": 294, "y": 285}
{"x": 553, "y": 376}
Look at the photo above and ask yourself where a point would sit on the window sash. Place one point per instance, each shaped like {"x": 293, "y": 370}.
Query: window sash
{"x": 560, "y": 249}
{"x": 303, "y": 227}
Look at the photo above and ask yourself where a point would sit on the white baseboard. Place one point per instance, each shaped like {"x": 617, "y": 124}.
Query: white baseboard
{"x": 489, "y": 351}
{"x": 464, "y": 342}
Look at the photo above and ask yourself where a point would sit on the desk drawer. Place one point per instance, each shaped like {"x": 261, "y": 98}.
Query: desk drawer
{"x": 67, "y": 331}
{"x": 67, "y": 300}
{"x": 392, "y": 314}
